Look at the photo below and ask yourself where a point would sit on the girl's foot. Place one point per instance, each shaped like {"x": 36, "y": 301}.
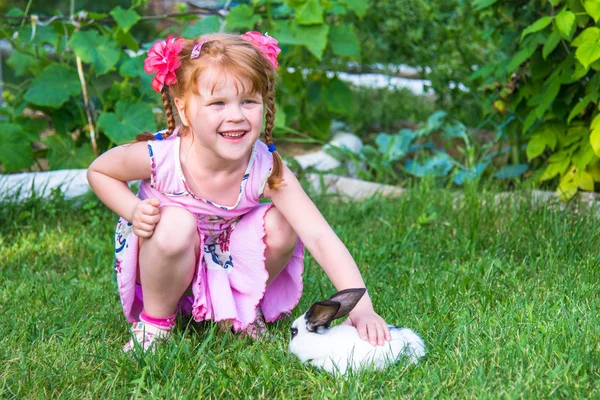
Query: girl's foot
{"x": 257, "y": 329}
{"x": 146, "y": 336}
{"x": 225, "y": 325}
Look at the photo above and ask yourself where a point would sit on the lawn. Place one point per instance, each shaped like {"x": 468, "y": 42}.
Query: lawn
{"x": 505, "y": 295}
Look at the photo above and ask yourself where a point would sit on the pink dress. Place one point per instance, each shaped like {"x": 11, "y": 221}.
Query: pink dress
{"x": 230, "y": 278}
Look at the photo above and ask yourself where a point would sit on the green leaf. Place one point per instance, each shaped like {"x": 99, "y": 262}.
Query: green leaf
{"x": 310, "y": 13}
{"x": 549, "y": 94}
{"x": 24, "y": 64}
{"x": 595, "y": 122}
{"x": 579, "y": 107}
{"x": 314, "y": 38}
{"x": 395, "y": 147}
{"x": 339, "y": 153}
{"x": 551, "y": 43}
{"x": 338, "y": 97}
{"x": 344, "y": 42}
{"x": 482, "y": 72}
{"x": 286, "y": 32}
{"x": 588, "y": 35}
{"x": 63, "y": 154}
{"x": 529, "y": 120}
{"x": 126, "y": 39}
{"x": 16, "y": 152}
{"x": 592, "y": 7}
{"x": 584, "y": 181}
{"x": 588, "y": 53}
{"x": 133, "y": 66}
{"x": 539, "y": 25}
{"x": 558, "y": 164}
{"x": 595, "y": 139}
{"x": 282, "y": 11}
{"x": 54, "y": 86}
{"x": 511, "y": 171}
{"x": 127, "y": 121}
{"x": 566, "y": 190}
{"x": 584, "y": 155}
{"x": 579, "y": 72}
{"x": 14, "y": 12}
{"x": 565, "y": 22}
{"x": 438, "y": 165}
{"x": 522, "y": 56}
{"x": 43, "y": 34}
{"x": 205, "y": 25}
{"x": 370, "y": 154}
{"x": 359, "y": 7}
{"x": 573, "y": 180}
{"x": 481, "y": 4}
{"x": 125, "y": 18}
{"x": 535, "y": 147}
{"x": 100, "y": 51}
{"x": 280, "y": 117}
{"x": 241, "y": 17}
{"x": 545, "y": 135}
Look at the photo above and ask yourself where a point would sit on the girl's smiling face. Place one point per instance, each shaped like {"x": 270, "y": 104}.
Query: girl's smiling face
{"x": 224, "y": 116}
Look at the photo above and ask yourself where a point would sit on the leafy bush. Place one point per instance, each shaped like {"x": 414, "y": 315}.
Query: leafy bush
{"x": 546, "y": 84}
{"x": 441, "y": 38}
{"x": 441, "y": 148}
{"x": 388, "y": 109}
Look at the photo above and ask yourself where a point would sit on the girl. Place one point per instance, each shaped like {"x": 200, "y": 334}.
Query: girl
{"x": 195, "y": 239}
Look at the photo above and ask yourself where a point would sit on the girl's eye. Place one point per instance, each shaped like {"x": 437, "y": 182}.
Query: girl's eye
{"x": 217, "y": 103}
{"x": 250, "y": 101}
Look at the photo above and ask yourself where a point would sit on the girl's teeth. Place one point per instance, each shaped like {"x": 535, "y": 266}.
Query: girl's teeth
{"x": 233, "y": 134}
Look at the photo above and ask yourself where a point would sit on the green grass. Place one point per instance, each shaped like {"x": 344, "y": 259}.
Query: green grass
{"x": 505, "y": 297}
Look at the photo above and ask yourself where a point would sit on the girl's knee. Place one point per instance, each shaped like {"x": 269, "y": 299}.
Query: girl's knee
{"x": 280, "y": 236}
{"x": 176, "y": 232}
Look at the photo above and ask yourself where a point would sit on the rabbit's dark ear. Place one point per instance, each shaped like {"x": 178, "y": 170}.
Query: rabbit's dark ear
{"x": 347, "y": 299}
{"x": 321, "y": 314}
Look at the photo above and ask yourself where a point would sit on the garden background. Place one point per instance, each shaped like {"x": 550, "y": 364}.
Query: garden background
{"x": 504, "y": 290}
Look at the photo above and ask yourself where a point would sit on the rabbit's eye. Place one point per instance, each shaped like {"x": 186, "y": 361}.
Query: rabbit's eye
{"x": 294, "y": 332}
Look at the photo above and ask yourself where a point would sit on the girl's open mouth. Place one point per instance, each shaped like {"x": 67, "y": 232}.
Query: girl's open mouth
{"x": 233, "y": 135}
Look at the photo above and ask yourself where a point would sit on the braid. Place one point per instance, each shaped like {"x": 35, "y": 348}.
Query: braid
{"x": 169, "y": 110}
{"x": 166, "y": 99}
{"x": 274, "y": 179}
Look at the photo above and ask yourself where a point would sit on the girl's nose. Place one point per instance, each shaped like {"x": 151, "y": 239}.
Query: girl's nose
{"x": 235, "y": 113}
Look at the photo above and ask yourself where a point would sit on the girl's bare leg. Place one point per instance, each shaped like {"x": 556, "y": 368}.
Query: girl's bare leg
{"x": 167, "y": 261}
{"x": 281, "y": 241}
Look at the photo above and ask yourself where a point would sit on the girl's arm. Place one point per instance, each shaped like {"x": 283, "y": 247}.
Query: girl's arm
{"x": 108, "y": 176}
{"x": 329, "y": 251}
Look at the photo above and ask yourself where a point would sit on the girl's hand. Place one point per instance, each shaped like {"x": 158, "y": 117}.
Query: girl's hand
{"x": 371, "y": 327}
{"x": 145, "y": 217}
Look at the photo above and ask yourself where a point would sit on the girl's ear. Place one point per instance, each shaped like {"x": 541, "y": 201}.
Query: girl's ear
{"x": 180, "y": 104}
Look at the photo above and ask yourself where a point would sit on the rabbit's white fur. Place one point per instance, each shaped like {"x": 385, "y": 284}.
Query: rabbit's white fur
{"x": 339, "y": 349}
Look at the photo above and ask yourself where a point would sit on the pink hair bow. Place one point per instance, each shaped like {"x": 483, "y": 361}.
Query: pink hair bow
{"x": 265, "y": 44}
{"x": 163, "y": 58}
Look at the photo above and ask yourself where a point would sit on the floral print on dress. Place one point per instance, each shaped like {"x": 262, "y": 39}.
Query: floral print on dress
{"x": 224, "y": 237}
{"x": 216, "y": 258}
{"x": 214, "y": 224}
{"x": 124, "y": 229}
{"x": 152, "y": 166}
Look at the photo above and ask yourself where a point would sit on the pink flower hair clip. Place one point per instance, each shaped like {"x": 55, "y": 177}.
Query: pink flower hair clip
{"x": 265, "y": 44}
{"x": 163, "y": 58}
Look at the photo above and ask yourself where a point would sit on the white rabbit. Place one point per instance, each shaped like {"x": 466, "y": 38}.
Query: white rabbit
{"x": 338, "y": 349}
